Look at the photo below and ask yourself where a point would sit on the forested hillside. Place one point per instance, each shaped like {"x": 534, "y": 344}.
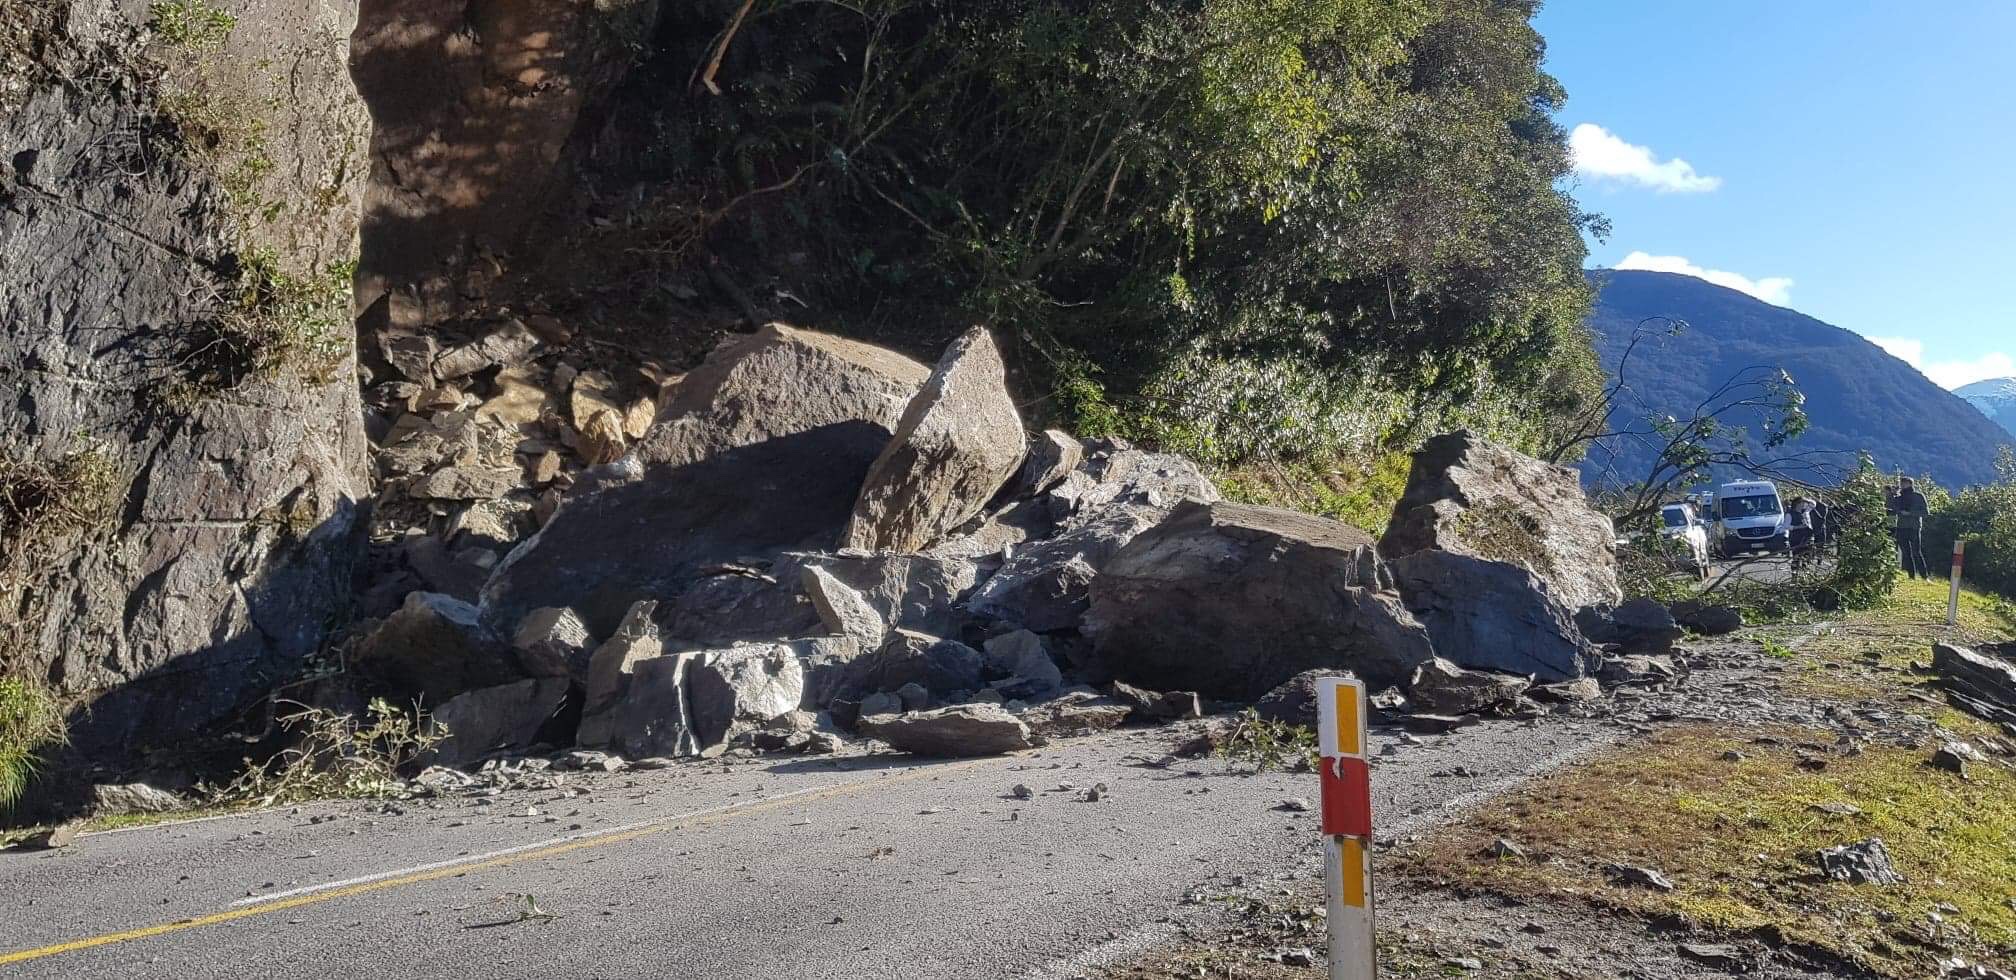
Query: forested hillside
{"x": 1268, "y": 228}
{"x": 1857, "y": 396}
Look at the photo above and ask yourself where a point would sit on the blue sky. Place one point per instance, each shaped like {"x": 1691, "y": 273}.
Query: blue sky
{"x": 1852, "y": 159}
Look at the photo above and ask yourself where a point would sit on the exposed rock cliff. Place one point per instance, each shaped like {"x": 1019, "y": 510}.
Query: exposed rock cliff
{"x": 179, "y": 195}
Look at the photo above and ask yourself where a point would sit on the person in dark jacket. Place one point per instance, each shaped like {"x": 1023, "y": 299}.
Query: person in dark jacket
{"x": 1910, "y": 510}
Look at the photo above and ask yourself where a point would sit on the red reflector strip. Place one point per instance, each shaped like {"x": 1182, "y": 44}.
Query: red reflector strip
{"x": 1347, "y": 797}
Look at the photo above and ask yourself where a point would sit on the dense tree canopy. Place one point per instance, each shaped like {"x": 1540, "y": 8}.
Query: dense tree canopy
{"x": 1239, "y": 227}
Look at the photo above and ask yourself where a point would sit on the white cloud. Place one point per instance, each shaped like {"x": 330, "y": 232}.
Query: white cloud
{"x": 1600, "y": 155}
{"x": 1771, "y": 289}
{"x": 1948, "y": 374}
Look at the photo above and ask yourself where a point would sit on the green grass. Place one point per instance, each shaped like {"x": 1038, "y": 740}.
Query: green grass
{"x": 190, "y": 23}
{"x": 31, "y": 721}
{"x": 1736, "y": 838}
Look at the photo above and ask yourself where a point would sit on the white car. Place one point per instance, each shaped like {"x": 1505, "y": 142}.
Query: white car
{"x": 1679, "y": 522}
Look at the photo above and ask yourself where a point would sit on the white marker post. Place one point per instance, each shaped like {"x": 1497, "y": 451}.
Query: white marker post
{"x": 1953, "y": 597}
{"x": 1347, "y": 825}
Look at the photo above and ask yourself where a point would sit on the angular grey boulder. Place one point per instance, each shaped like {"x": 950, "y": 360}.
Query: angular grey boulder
{"x": 612, "y": 667}
{"x": 1707, "y": 619}
{"x": 554, "y": 642}
{"x": 1076, "y": 712}
{"x": 780, "y": 381}
{"x": 1021, "y": 656}
{"x": 508, "y": 716}
{"x": 1157, "y": 705}
{"x": 940, "y": 666}
{"x": 843, "y": 611}
{"x": 1052, "y": 456}
{"x": 709, "y": 527}
{"x": 957, "y": 443}
{"x": 433, "y": 648}
{"x": 1230, "y": 600}
{"x": 652, "y": 718}
{"x": 1293, "y": 701}
{"x": 1443, "y": 688}
{"x": 958, "y": 731}
{"x": 741, "y": 689}
{"x": 921, "y": 593}
{"x": 1471, "y": 497}
{"x": 1490, "y": 615}
{"x": 1981, "y": 685}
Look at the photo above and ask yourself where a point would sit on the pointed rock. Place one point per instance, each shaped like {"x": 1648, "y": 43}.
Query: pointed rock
{"x": 957, "y": 443}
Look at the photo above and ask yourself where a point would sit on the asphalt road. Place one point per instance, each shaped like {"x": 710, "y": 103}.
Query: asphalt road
{"x": 867, "y": 867}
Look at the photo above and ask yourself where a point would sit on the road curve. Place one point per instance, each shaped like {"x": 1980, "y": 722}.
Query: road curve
{"x": 878, "y": 865}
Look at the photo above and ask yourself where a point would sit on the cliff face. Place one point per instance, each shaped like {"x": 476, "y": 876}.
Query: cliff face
{"x": 179, "y": 201}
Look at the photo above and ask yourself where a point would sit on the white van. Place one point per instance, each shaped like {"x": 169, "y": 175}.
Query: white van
{"x": 1750, "y": 516}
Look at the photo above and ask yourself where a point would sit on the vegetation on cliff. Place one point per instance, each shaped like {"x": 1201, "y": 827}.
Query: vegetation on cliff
{"x": 1278, "y": 230}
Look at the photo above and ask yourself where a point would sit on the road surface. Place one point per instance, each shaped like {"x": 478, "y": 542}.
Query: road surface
{"x": 876, "y": 866}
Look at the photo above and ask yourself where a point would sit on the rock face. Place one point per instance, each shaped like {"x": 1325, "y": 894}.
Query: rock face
{"x": 780, "y": 381}
{"x": 227, "y": 429}
{"x": 1230, "y": 600}
{"x": 1470, "y": 497}
{"x": 1490, "y": 615}
{"x": 957, "y": 443}
{"x": 961, "y": 730}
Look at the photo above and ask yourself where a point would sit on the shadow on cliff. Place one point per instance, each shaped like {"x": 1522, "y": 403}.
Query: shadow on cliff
{"x": 200, "y": 714}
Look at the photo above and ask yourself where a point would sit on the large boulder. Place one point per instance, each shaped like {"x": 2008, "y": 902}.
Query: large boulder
{"x": 1230, "y": 600}
{"x": 209, "y": 438}
{"x": 507, "y": 716}
{"x": 957, "y": 731}
{"x": 922, "y": 593}
{"x": 710, "y": 527}
{"x": 1097, "y": 508}
{"x": 652, "y": 716}
{"x": 434, "y": 648}
{"x": 1982, "y": 685}
{"x": 612, "y": 666}
{"x": 939, "y": 666}
{"x": 780, "y": 381}
{"x": 1442, "y": 688}
{"x": 741, "y": 689}
{"x": 1490, "y": 615}
{"x": 957, "y": 443}
{"x": 1470, "y": 497}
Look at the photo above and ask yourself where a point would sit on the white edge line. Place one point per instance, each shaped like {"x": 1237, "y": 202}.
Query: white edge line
{"x": 535, "y": 845}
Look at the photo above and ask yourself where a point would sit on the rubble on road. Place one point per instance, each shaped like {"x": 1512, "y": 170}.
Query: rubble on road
{"x": 808, "y": 535}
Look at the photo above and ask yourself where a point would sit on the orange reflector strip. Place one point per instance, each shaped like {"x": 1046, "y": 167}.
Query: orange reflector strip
{"x": 1351, "y": 853}
{"x": 1348, "y": 725}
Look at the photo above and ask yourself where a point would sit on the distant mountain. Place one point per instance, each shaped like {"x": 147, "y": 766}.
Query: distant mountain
{"x": 1858, "y": 397}
{"x": 1995, "y": 397}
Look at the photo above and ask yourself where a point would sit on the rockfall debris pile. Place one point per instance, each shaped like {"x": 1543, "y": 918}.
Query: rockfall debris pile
{"x": 808, "y": 540}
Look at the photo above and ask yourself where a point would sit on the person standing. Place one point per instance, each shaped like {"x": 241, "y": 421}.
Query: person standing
{"x": 1910, "y": 509}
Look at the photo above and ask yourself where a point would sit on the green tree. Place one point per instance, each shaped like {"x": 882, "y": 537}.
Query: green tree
{"x": 1236, "y": 227}
{"x": 1865, "y": 568}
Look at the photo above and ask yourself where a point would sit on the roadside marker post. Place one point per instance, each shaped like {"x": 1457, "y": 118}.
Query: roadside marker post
{"x": 1347, "y": 826}
{"x": 1953, "y": 596}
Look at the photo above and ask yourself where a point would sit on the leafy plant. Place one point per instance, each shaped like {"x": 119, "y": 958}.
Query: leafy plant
{"x": 336, "y": 756}
{"x": 1264, "y": 744}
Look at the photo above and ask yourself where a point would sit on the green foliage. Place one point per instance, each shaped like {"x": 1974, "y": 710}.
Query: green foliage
{"x": 1262, "y": 744}
{"x": 1775, "y": 649}
{"x": 1986, "y": 517}
{"x": 1361, "y": 496}
{"x": 31, "y": 721}
{"x": 1865, "y": 567}
{"x": 1239, "y": 228}
{"x": 1651, "y": 565}
{"x": 190, "y": 23}
{"x": 272, "y": 324}
{"x": 335, "y": 756}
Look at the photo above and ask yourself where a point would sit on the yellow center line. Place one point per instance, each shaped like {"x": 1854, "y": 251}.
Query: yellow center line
{"x": 233, "y": 915}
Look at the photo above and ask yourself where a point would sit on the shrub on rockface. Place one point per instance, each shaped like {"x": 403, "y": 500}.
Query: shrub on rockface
{"x": 30, "y": 722}
{"x": 1239, "y": 228}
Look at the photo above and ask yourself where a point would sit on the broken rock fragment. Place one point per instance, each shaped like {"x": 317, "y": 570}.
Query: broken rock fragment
{"x": 960, "y": 730}
{"x": 956, "y": 444}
